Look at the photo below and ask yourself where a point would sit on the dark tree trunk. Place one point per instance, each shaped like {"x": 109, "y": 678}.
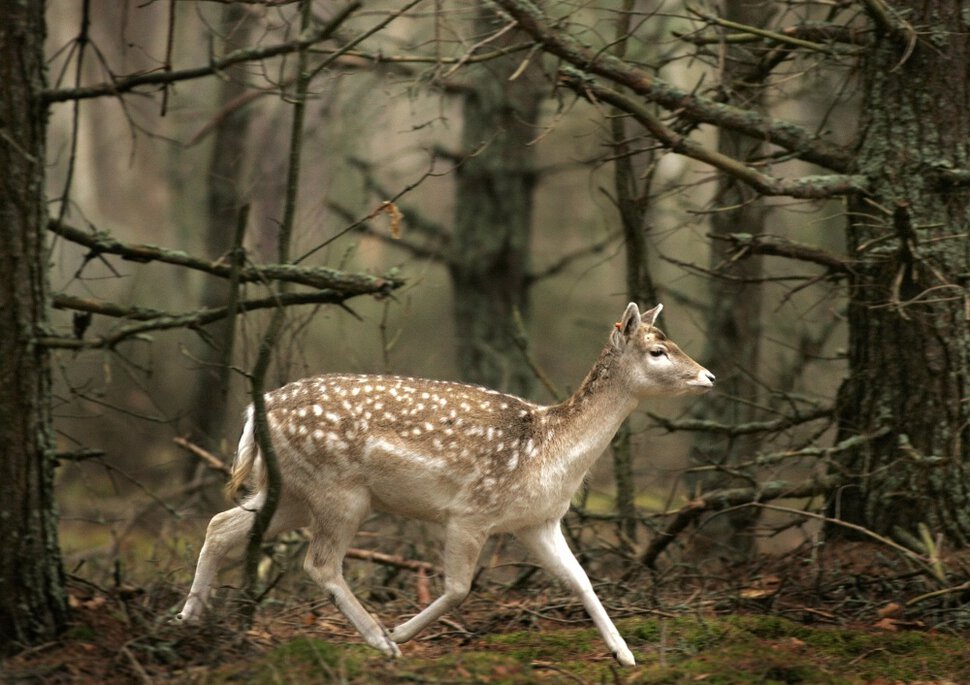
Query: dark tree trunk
{"x": 493, "y": 218}
{"x": 32, "y": 600}
{"x": 632, "y": 203}
{"x": 733, "y": 317}
{"x": 909, "y": 324}
{"x": 224, "y": 204}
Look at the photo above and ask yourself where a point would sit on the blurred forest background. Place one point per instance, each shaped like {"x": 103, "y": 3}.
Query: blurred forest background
{"x": 474, "y": 191}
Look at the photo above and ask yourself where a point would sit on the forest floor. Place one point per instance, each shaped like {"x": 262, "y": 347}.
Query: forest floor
{"x": 851, "y": 615}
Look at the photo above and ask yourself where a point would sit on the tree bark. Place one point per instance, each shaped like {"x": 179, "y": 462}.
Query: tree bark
{"x": 732, "y": 320}
{"x": 909, "y": 340}
{"x": 493, "y": 218}
{"x": 32, "y": 600}
{"x": 225, "y": 200}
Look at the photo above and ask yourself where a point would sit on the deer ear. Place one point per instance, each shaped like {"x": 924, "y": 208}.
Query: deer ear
{"x": 650, "y": 316}
{"x": 627, "y": 325}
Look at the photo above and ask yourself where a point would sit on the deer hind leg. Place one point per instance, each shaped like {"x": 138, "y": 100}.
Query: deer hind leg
{"x": 462, "y": 547}
{"x": 332, "y": 532}
{"x": 226, "y": 539}
{"x": 547, "y": 544}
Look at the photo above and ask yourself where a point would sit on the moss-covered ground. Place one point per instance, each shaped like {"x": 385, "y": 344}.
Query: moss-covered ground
{"x": 715, "y": 650}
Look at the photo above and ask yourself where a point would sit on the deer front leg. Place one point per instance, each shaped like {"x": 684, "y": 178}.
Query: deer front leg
{"x": 547, "y": 544}
{"x": 462, "y": 548}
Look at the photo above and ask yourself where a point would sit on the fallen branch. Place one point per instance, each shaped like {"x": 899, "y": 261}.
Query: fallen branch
{"x": 210, "y": 460}
{"x": 393, "y": 560}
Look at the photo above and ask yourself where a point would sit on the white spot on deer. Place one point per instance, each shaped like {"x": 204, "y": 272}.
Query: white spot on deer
{"x": 368, "y": 388}
{"x": 428, "y": 426}
{"x": 490, "y": 433}
{"x": 513, "y": 461}
{"x": 355, "y": 391}
{"x": 318, "y": 434}
{"x": 317, "y": 410}
{"x": 425, "y": 396}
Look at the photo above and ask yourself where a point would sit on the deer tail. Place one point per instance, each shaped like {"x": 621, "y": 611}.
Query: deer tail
{"x": 247, "y": 459}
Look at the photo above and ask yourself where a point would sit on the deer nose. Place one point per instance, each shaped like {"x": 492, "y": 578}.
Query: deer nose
{"x": 709, "y": 376}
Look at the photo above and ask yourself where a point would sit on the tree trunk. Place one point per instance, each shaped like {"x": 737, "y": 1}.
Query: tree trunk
{"x": 32, "y": 601}
{"x": 632, "y": 203}
{"x": 733, "y": 317}
{"x": 225, "y": 199}
{"x": 493, "y": 218}
{"x": 909, "y": 341}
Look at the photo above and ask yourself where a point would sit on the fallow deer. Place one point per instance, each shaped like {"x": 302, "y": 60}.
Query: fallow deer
{"x": 474, "y": 460}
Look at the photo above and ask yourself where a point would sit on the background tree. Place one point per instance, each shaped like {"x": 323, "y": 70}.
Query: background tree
{"x": 493, "y": 212}
{"x": 733, "y": 312}
{"x": 908, "y": 306}
{"x": 907, "y": 255}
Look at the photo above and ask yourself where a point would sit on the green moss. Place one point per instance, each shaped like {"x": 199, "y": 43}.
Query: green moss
{"x": 81, "y": 632}
{"x": 305, "y": 660}
{"x": 715, "y": 650}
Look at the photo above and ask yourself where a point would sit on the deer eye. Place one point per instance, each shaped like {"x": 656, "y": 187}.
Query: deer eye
{"x": 658, "y": 352}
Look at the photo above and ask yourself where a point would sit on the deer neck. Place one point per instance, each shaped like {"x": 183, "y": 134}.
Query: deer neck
{"x": 581, "y": 428}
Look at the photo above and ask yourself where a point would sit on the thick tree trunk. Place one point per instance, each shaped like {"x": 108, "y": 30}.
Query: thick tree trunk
{"x": 32, "y": 600}
{"x": 909, "y": 346}
{"x": 493, "y": 218}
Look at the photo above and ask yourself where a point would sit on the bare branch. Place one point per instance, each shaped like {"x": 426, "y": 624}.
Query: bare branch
{"x": 746, "y": 244}
{"x": 785, "y": 134}
{"x": 718, "y": 500}
{"x": 157, "y": 78}
{"x": 154, "y": 320}
{"x": 807, "y": 187}
{"x": 323, "y": 278}
{"x": 733, "y": 430}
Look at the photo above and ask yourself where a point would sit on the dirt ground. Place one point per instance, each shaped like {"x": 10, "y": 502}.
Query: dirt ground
{"x": 853, "y": 613}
